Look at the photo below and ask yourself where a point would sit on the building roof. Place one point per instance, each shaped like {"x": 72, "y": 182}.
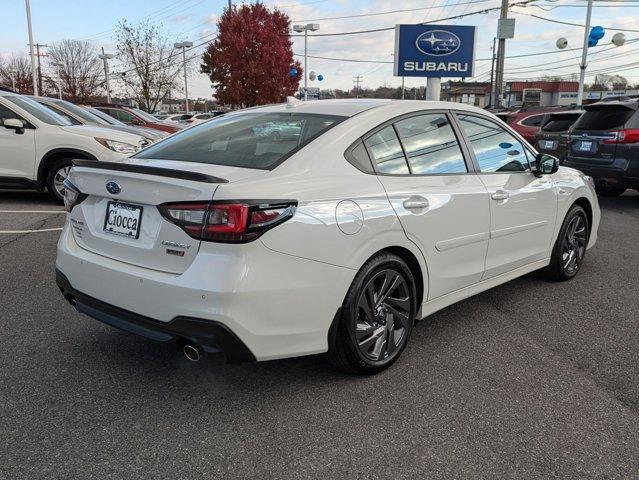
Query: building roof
{"x": 545, "y": 86}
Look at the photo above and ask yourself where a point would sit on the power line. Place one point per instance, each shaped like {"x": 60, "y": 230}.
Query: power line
{"x": 389, "y": 12}
{"x": 385, "y": 29}
{"x": 562, "y": 22}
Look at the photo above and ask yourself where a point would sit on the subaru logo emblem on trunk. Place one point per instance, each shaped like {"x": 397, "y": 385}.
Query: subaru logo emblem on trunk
{"x": 112, "y": 187}
{"x": 438, "y": 43}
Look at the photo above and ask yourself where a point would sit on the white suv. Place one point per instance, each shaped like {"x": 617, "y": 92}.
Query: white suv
{"x": 335, "y": 237}
{"x": 37, "y": 145}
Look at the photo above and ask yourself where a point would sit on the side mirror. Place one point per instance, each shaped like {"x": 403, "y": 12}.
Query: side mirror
{"x": 14, "y": 124}
{"x": 545, "y": 164}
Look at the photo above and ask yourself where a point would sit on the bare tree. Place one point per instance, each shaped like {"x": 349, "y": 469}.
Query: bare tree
{"x": 151, "y": 64}
{"x": 15, "y": 73}
{"x": 79, "y": 68}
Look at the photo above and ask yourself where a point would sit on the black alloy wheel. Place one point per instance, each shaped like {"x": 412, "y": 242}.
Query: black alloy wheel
{"x": 377, "y": 317}
{"x": 570, "y": 247}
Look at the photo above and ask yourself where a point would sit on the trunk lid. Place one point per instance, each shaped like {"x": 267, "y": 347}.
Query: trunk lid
{"x": 143, "y": 185}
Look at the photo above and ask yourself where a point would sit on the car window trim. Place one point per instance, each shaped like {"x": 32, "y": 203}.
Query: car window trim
{"x": 469, "y": 166}
{"x": 523, "y": 143}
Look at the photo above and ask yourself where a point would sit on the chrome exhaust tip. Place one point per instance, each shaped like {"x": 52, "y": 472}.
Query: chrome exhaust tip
{"x": 191, "y": 352}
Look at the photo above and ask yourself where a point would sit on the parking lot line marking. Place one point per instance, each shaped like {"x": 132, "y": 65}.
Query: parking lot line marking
{"x": 31, "y": 231}
{"x": 32, "y": 211}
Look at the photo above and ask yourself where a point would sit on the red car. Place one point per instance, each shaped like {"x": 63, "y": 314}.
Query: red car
{"x": 138, "y": 118}
{"x": 526, "y": 123}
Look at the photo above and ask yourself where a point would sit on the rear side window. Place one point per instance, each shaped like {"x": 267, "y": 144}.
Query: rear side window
{"x": 560, "y": 123}
{"x": 604, "y": 119}
{"x": 430, "y": 144}
{"x": 533, "y": 121}
{"x": 496, "y": 150}
{"x": 63, "y": 114}
{"x": 248, "y": 139}
{"x": 387, "y": 152}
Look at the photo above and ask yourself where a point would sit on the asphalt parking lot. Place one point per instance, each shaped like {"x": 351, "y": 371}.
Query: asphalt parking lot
{"x": 529, "y": 380}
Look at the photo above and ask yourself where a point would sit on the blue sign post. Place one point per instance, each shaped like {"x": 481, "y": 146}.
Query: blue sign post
{"x": 435, "y": 51}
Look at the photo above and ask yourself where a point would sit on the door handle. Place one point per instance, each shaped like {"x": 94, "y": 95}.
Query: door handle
{"x": 416, "y": 203}
{"x": 500, "y": 195}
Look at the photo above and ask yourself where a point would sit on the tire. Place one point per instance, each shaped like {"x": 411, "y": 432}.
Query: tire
{"x": 609, "y": 191}
{"x": 570, "y": 247}
{"x": 359, "y": 341}
{"x": 57, "y": 172}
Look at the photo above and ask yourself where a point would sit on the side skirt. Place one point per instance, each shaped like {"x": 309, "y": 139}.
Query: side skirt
{"x": 444, "y": 301}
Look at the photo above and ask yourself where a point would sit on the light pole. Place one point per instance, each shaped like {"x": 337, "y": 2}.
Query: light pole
{"x": 13, "y": 80}
{"x": 184, "y": 46}
{"x": 105, "y": 57}
{"x": 33, "y": 62}
{"x": 312, "y": 27}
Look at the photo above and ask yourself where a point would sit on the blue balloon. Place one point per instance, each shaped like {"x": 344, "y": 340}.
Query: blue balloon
{"x": 592, "y": 42}
{"x": 597, "y": 33}
{"x": 320, "y": 77}
{"x": 293, "y": 72}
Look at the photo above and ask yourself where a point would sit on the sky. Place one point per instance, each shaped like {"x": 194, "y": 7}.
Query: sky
{"x": 195, "y": 20}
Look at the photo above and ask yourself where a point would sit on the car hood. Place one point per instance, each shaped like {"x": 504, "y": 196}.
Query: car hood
{"x": 104, "y": 132}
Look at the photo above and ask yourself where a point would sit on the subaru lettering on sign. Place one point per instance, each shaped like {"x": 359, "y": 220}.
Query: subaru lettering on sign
{"x": 434, "y": 50}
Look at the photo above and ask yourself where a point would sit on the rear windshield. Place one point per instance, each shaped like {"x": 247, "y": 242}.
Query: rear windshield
{"x": 604, "y": 119}
{"x": 249, "y": 139}
{"x": 560, "y": 122}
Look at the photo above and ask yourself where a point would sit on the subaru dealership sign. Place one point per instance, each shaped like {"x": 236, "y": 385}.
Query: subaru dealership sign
{"x": 434, "y": 50}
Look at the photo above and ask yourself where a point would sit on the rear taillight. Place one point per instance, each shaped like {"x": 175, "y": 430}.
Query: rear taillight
{"x": 72, "y": 195}
{"x": 227, "y": 222}
{"x": 630, "y": 135}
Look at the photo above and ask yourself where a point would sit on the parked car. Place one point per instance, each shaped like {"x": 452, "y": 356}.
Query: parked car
{"x": 526, "y": 122}
{"x": 552, "y": 137}
{"x": 378, "y": 213}
{"x": 179, "y": 118}
{"x": 604, "y": 143}
{"x": 37, "y": 145}
{"x": 138, "y": 118}
{"x": 203, "y": 117}
{"x": 78, "y": 115}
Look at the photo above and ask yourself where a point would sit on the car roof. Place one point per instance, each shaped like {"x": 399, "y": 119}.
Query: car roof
{"x": 349, "y": 107}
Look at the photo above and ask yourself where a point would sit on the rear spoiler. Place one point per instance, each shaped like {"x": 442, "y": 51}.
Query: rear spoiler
{"x": 160, "y": 172}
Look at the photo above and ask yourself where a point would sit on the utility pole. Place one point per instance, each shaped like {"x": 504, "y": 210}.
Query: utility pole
{"x": 358, "y": 79}
{"x": 13, "y": 79}
{"x": 584, "y": 56}
{"x": 38, "y": 54}
{"x": 31, "y": 53}
{"x": 501, "y": 49}
{"x": 105, "y": 57}
{"x": 309, "y": 27}
{"x": 493, "y": 90}
{"x": 184, "y": 46}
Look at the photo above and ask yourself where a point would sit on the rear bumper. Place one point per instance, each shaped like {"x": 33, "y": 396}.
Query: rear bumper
{"x": 277, "y": 305}
{"x": 621, "y": 173}
{"x": 214, "y": 338}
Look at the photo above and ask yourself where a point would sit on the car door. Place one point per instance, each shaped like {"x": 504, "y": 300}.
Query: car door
{"x": 442, "y": 207}
{"x": 523, "y": 206}
{"x": 17, "y": 160}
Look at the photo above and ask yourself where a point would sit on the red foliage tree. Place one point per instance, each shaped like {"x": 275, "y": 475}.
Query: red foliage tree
{"x": 250, "y": 60}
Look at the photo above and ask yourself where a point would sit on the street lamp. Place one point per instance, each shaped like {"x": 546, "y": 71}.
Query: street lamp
{"x": 105, "y": 57}
{"x": 309, "y": 27}
{"x": 184, "y": 46}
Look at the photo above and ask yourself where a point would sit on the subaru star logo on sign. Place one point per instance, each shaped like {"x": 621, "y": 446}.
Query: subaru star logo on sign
{"x": 434, "y": 50}
{"x": 112, "y": 187}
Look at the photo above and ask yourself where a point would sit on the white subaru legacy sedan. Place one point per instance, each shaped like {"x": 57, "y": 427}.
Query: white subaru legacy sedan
{"x": 335, "y": 235}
